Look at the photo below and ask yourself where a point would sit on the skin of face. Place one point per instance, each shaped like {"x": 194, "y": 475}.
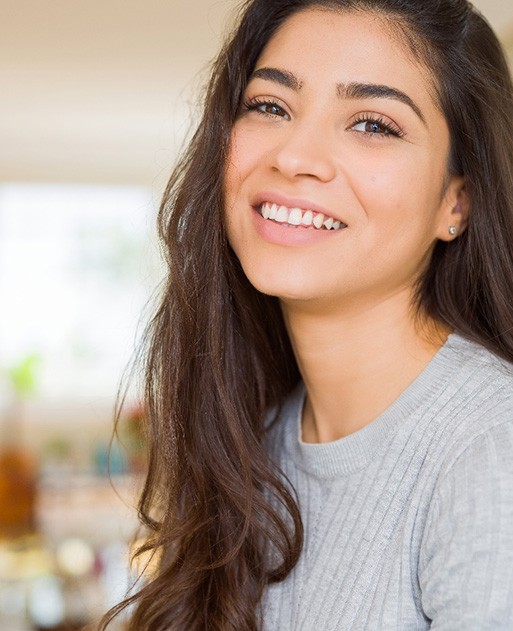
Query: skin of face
{"x": 308, "y": 135}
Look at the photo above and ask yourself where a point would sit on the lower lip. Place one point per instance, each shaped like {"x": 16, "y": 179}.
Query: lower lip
{"x": 285, "y": 234}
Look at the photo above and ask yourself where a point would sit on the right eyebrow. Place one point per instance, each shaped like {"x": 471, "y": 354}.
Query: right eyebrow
{"x": 375, "y": 91}
{"x": 283, "y": 77}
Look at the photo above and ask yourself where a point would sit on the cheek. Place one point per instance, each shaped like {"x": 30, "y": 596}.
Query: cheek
{"x": 240, "y": 159}
{"x": 396, "y": 192}
{"x": 387, "y": 198}
{"x": 247, "y": 153}
{"x": 235, "y": 173}
{"x": 232, "y": 175}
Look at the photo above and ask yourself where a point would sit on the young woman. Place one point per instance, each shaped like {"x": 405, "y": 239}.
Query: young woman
{"x": 329, "y": 377}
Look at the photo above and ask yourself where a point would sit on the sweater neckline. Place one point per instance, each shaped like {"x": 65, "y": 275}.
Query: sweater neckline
{"x": 353, "y": 452}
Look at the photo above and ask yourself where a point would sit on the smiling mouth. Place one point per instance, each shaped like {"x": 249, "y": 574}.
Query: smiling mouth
{"x": 299, "y": 218}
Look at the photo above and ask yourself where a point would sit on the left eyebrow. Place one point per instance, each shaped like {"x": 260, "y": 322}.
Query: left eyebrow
{"x": 376, "y": 91}
{"x": 283, "y": 77}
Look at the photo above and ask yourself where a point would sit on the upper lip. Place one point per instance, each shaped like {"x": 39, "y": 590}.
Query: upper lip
{"x": 291, "y": 202}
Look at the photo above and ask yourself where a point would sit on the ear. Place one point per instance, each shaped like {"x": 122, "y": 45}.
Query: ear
{"x": 455, "y": 208}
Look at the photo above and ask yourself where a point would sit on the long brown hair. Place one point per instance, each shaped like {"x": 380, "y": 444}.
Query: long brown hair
{"x": 225, "y": 521}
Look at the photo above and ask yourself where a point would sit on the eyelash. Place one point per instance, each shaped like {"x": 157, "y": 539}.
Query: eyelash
{"x": 388, "y": 128}
{"x": 255, "y": 103}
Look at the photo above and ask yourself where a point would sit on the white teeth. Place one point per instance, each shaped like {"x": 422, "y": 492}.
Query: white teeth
{"x": 318, "y": 220}
{"x": 298, "y": 217}
{"x": 282, "y": 214}
{"x": 295, "y": 216}
{"x": 308, "y": 218}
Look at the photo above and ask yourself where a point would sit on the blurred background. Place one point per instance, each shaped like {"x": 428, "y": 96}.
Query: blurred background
{"x": 97, "y": 98}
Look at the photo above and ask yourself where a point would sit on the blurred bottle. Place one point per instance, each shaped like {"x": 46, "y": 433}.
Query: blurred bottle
{"x": 18, "y": 464}
{"x": 18, "y": 478}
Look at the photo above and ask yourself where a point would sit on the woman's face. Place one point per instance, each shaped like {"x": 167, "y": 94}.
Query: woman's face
{"x": 336, "y": 184}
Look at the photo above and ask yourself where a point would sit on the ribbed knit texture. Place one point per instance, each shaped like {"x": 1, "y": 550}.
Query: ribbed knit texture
{"x": 408, "y": 521}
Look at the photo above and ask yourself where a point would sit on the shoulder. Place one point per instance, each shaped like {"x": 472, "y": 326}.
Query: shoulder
{"x": 476, "y": 437}
{"x": 467, "y": 547}
{"x": 478, "y": 396}
{"x": 478, "y": 365}
{"x": 466, "y": 553}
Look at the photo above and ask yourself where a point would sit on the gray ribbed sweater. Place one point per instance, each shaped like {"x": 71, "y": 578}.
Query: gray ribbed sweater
{"x": 408, "y": 521}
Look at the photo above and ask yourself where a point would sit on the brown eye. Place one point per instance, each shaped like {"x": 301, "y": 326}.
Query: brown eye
{"x": 373, "y": 126}
{"x": 272, "y": 109}
{"x": 266, "y": 108}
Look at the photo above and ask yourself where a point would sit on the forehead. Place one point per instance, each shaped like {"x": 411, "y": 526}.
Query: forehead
{"x": 329, "y": 45}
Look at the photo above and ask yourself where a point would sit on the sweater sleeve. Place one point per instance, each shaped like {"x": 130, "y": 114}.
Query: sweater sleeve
{"x": 466, "y": 558}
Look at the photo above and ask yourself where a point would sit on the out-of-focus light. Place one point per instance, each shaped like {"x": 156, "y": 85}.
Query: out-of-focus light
{"x": 45, "y": 603}
{"x": 75, "y": 557}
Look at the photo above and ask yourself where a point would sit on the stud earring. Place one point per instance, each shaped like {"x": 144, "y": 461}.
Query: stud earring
{"x": 453, "y": 230}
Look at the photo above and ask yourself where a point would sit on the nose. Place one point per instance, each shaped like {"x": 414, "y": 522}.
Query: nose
{"x": 304, "y": 152}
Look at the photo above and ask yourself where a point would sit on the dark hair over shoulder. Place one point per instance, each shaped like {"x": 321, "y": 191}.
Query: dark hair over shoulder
{"x": 224, "y": 521}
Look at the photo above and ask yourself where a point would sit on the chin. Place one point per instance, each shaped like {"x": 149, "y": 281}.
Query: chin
{"x": 286, "y": 287}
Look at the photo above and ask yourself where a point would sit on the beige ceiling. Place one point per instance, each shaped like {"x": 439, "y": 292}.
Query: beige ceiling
{"x": 100, "y": 90}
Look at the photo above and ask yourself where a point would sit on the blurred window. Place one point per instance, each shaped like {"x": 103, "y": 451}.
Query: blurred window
{"x": 77, "y": 267}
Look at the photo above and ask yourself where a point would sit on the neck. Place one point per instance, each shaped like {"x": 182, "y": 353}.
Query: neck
{"x": 356, "y": 362}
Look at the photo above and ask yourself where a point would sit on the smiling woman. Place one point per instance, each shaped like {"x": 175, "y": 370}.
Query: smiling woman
{"x": 329, "y": 378}
{"x": 355, "y": 154}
